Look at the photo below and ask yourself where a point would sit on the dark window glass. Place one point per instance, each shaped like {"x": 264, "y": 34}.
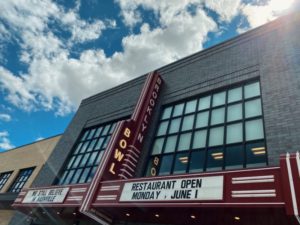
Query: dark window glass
{"x": 197, "y": 161}
{"x": 20, "y": 180}
{"x": 88, "y": 151}
{"x": 256, "y": 154}
{"x": 213, "y": 131}
{"x": 234, "y": 157}
{"x": 181, "y": 162}
{"x": 3, "y": 178}
{"x": 214, "y": 159}
{"x": 166, "y": 165}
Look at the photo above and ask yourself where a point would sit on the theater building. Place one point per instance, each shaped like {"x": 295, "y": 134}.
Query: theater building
{"x": 210, "y": 139}
{"x": 18, "y": 168}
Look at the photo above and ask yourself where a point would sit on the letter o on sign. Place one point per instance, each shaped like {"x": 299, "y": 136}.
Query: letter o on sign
{"x": 153, "y": 171}
{"x": 123, "y": 143}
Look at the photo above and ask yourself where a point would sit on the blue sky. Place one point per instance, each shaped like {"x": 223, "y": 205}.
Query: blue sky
{"x": 55, "y": 53}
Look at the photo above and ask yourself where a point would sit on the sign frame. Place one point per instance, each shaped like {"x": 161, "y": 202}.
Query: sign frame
{"x": 46, "y": 196}
{"x": 200, "y": 188}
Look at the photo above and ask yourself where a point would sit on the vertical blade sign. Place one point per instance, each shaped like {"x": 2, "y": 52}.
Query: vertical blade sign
{"x": 128, "y": 145}
{"x": 123, "y": 150}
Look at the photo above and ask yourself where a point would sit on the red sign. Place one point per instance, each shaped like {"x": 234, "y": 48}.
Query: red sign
{"x": 122, "y": 153}
{"x": 124, "y": 148}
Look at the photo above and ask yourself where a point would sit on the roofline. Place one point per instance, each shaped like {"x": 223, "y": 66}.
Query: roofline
{"x": 21, "y": 146}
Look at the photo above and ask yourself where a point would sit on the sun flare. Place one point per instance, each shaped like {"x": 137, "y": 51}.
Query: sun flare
{"x": 280, "y": 5}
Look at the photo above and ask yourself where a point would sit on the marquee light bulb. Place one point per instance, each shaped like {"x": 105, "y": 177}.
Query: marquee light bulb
{"x": 237, "y": 218}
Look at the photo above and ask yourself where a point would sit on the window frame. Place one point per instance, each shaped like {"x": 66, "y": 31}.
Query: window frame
{"x": 227, "y": 104}
{"x": 75, "y": 153}
{"x": 3, "y": 180}
{"x": 19, "y": 180}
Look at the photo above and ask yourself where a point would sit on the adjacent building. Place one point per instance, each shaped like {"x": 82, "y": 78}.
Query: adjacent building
{"x": 210, "y": 139}
{"x": 18, "y": 168}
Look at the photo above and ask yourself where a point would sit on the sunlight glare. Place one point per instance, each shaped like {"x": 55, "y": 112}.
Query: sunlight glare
{"x": 280, "y": 5}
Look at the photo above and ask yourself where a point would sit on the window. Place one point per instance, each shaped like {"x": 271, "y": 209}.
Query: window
{"x": 87, "y": 153}
{"x": 3, "y": 178}
{"x": 223, "y": 130}
{"x": 21, "y": 179}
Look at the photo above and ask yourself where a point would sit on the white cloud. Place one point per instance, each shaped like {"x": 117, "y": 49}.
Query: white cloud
{"x": 81, "y": 30}
{"x": 30, "y": 19}
{"x": 226, "y": 9}
{"x": 39, "y": 139}
{"x": 5, "y": 143}
{"x": 56, "y": 81}
{"x": 4, "y": 34}
{"x": 18, "y": 93}
{"x": 43, "y": 51}
{"x": 5, "y": 117}
{"x": 166, "y": 10}
{"x": 259, "y": 14}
